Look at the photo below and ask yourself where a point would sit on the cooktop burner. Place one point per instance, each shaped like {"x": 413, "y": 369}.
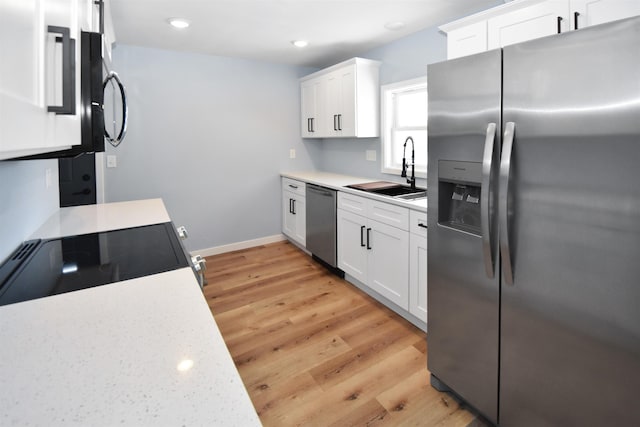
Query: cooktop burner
{"x": 78, "y": 262}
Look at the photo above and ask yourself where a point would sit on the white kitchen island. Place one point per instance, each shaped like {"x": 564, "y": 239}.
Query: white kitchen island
{"x": 141, "y": 352}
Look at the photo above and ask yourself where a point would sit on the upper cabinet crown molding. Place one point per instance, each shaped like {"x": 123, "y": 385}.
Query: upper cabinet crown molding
{"x": 488, "y": 14}
{"x": 341, "y": 100}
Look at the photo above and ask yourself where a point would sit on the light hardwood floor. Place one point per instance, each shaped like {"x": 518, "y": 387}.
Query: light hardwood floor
{"x": 312, "y": 350}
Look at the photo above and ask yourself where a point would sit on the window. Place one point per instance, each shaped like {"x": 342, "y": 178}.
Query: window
{"x": 404, "y": 114}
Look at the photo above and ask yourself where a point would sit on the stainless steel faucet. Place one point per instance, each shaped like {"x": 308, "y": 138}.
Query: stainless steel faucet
{"x": 403, "y": 174}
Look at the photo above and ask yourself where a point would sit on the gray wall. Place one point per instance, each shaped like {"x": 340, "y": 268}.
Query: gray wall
{"x": 209, "y": 135}
{"x": 403, "y": 59}
{"x": 25, "y": 202}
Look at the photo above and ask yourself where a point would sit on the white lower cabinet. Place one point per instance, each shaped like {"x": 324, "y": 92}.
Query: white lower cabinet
{"x": 294, "y": 223}
{"x": 418, "y": 265}
{"x": 372, "y": 252}
{"x": 388, "y": 262}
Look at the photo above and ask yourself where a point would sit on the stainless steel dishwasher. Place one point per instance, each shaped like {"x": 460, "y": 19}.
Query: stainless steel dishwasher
{"x": 321, "y": 224}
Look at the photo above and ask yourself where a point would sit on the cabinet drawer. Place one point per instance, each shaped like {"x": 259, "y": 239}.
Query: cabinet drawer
{"x": 386, "y": 213}
{"x": 418, "y": 223}
{"x": 296, "y": 187}
{"x": 351, "y": 203}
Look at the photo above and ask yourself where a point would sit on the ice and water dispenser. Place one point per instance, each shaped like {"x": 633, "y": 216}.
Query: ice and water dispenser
{"x": 459, "y": 195}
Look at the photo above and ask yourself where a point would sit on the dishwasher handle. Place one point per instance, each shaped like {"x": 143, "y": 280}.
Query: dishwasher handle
{"x": 320, "y": 191}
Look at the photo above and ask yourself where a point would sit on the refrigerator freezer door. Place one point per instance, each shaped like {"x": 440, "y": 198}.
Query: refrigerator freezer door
{"x": 570, "y": 324}
{"x": 464, "y": 99}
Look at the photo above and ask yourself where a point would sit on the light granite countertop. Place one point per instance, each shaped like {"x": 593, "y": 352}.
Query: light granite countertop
{"x": 339, "y": 182}
{"x": 76, "y": 220}
{"x": 141, "y": 352}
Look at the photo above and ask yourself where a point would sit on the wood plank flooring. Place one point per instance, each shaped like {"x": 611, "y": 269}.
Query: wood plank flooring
{"x": 313, "y": 350}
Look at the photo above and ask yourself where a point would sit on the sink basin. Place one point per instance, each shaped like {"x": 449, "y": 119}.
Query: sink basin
{"x": 391, "y": 189}
{"x": 413, "y": 196}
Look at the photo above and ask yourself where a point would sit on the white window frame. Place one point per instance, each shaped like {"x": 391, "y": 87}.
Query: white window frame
{"x": 387, "y": 115}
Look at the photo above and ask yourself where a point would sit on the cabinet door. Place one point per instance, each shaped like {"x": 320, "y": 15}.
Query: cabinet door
{"x": 341, "y": 102}
{"x": 332, "y": 103}
{"x": 300, "y": 218}
{"x": 293, "y": 217}
{"x": 529, "y": 23}
{"x": 352, "y": 251}
{"x": 288, "y": 219}
{"x": 62, "y": 129}
{"x": 467, "y": 40}
{"x": 347, "y": 101}
{"x": 594, "y": 12}
{"x": 388, "y": 262}
{"x": 31, "y": 77}
{"x": 309, "y": 103}
{"x": 22, "y": 115}
{"x": 418, "y": 276}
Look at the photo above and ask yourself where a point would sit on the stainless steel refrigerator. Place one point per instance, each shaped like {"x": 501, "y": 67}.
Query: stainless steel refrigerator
{"x": 534, "y": 229}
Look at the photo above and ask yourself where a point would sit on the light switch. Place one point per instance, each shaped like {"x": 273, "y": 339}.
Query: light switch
{"x": 48, "y": 180}
{"x": 112, "y": 161}
{"x": 292, "y": 153}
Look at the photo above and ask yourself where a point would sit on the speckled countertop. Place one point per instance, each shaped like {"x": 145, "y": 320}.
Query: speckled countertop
{"x": 76, "y": 220}
{"x": 142, "y": 352}
{"x": 339, "y": 182}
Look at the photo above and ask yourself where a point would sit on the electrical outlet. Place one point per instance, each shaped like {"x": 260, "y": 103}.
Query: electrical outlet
{"x": 371, "y": 155}
{"x": 112, "y": 161}
{"x": 292, "y": 153}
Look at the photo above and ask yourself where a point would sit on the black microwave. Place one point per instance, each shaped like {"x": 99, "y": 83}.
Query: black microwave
{"x": 92, "y": 100}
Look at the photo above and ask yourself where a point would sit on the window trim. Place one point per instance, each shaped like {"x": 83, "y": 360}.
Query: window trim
{"x": 385, "y": 92}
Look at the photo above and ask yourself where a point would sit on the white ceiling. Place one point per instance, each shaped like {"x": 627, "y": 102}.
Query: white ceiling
{"x": 264, "y": 29}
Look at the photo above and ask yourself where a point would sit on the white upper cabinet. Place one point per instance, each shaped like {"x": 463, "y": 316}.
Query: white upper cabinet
{"x": 467, "y": 40}
{"x": 594, "y": 12}
{"x": 535, "y": 21}
{"x": 523, "y": 20}
{"x": 312, "y": 94}
{"x": 39, "y": 76}
{"x": 341, "y": 101}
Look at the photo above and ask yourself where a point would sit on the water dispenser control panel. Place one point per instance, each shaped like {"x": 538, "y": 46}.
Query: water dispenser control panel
{"x": 459, "y": 195}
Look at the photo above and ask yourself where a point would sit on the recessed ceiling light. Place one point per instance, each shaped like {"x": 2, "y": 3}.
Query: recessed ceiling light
{"x": 300, "y": 43}
{"x": 394, "y": 26}
{"x": 178, "y": 22}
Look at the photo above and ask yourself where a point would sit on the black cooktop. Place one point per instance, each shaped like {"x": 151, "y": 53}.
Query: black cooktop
{"x": 68, "y": 264}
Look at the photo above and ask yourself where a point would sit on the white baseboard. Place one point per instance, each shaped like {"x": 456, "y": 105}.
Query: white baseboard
{"x": 238, "y": 246}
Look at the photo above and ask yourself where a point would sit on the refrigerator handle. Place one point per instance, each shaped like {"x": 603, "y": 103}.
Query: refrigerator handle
{"x": 485, "y": 196}
{"x": 503, "y": 202}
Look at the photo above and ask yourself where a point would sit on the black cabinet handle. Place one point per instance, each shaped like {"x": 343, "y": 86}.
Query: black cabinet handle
{"x": 308, "y": 125}
{"x": 575, "y": 20}
{"x": 294, "y": 206}
{"x": 293, "y": 186}
{"x": 312, "y": 124}
{"x": 368, "y": 238}
{"x": 335, "y": 126}
{"x": 339, "y": 121}
{"x": 559, "y": 24}
{"x": 68, "y": 106}
{"x": 290, "y": 206}
{"x": 362, "y": 236}
{"x": 422, "y": 225}
{"x": 100, "y": 4}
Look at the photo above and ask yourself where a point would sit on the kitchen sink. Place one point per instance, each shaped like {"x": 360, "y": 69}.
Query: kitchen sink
{"x": 413, "y": 196}
{"x": 391, "y": 189}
